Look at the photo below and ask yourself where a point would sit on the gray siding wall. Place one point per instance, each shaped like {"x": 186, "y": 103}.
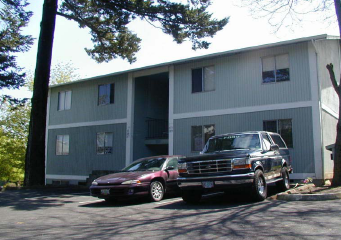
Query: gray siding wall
{"x": 84, "y": 102}
{"x": 83, "y": 158}
{"x": 328, "y": 137}
{"x": 238, "y": 81}
{"x": 328, "y": 51}
{"x": 302, "y": 152}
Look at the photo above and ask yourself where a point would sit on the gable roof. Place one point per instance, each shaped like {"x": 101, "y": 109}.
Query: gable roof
{"x": 212, "y": 55}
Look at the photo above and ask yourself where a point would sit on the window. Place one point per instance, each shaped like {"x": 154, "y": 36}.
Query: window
{"x": 203, "y": 79}
{"x": 266, "y": 141}
{"x": 104, "y": 142}
{"x": 173, "y": 163}
{"x": 64, "y": 100}
{"x": 283, "y": 127}
{"x": 106, "y": 94}
{"x": 276, "y": 68}
{"x": 200, "y": 135}
{"x": 62, "y": 145}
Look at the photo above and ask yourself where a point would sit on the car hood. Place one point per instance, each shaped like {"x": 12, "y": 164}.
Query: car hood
{"x": 219, "y": 155}
{"x": 117, "y": 178}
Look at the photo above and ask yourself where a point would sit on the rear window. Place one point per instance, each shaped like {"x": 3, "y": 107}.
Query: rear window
{"x": 278, "y": 140}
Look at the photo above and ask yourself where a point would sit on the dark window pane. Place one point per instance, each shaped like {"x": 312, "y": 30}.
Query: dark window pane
{"x": 197, "y": 141}
{"x": 285, "y": 130}
{"x": 282, "y": 75}
{"x": 278, "y": 140}
{"x": 112, "y": 93}
{"x": 268, "y": 76}
{"x": 197, "y": 80}
{"x": 270, "y": 126}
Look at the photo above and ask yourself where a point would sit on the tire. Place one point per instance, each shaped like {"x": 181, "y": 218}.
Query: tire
{"x": 192, "y": 197}
{"x": 157, "y": 191}
{"x": 259, "y": 187}
{"x": 284, "y": 184}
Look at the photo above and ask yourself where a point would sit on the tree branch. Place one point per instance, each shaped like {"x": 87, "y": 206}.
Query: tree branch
{"x": 330, "y": 68}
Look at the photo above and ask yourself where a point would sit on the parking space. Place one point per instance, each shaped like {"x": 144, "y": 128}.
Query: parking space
{"x": 76, "y": 215}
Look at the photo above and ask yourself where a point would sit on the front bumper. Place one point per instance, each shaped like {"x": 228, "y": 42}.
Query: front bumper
{"x": 119, "y": 191}
{"x": 219, "y": 182}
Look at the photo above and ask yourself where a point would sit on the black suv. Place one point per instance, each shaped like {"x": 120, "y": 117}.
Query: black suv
{"x": 251, "y": 159}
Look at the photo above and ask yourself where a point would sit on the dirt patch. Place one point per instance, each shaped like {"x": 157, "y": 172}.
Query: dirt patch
{"x": 312, "y": 189}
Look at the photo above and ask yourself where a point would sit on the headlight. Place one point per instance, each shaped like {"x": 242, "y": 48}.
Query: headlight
{"x": 131, "y": 182}
{"x": 182, "y": 167}
{"x": 94, "y": 183}
{"x": 241, "y": 163}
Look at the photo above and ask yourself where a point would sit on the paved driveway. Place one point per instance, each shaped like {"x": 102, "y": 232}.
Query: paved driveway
{"x": 75, "y": 215}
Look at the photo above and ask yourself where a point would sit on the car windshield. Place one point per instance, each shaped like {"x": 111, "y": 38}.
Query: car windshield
{"x": 233, "y": 142}
{"x": 149, "y": 164}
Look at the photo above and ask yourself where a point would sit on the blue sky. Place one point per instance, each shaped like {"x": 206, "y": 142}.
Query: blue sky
{"x": 242, "y": 31}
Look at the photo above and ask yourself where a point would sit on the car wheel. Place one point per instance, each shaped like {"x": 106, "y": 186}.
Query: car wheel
{"x": 156, "y": 191}
{"x": 191, "y": 197}
{"x": 284, "y": 184}
{"x": 259, "y": 188}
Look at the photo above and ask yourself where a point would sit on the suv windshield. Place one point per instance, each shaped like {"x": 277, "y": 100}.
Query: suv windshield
{"x": 150, "y": 164}
{"x": 233, "y": 142}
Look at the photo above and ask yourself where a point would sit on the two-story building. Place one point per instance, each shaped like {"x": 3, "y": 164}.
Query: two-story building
{"x": 106, "y": 122}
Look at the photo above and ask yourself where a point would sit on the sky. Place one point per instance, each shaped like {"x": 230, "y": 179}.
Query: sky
{"x": 242, "y": 31}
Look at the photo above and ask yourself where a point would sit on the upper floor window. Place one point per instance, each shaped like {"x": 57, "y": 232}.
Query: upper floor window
{"x": 283, "y": 127}
{"x": 276, "y": 68}
{"x": 62, "y": 145}
{"x": 64, "y": 100}
{"x": 203, "y": 79}
{"x": 104, "y": 142}
{"x": 200, "y": 135}
{"x": 106, "y": 94}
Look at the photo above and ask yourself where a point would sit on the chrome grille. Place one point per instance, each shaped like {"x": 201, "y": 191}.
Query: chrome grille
{"x": 211, "y": 166}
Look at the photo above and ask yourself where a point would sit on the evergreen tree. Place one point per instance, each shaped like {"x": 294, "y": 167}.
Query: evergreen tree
{"x": 13, "y": 18}
{"x": 108, "y": 23}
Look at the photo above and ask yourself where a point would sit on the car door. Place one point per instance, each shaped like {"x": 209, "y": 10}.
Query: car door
{"x": 270, "y": 158}
{"x": 171, "y": 169}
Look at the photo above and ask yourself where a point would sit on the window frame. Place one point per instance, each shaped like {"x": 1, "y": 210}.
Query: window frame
{"x": 278, "y": 130}
{"x": 63, "y": 153}
{"x": 111, "y": 97}
{"x": 104, "y": 143}
{"x": 275, "y": 67}
{"x": 203, "y": 136}
{"x": 64, "y": 102}
{"x": 203, "y": 88}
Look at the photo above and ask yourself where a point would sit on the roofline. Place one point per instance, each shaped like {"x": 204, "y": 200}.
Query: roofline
{"x": 212, "y": 55}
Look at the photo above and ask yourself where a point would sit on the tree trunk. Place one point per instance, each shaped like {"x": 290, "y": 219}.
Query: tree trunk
{"x": 337, "y": 158}
{"x": 35, "y": 153}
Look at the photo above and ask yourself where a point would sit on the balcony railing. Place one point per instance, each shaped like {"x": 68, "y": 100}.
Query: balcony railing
{"x": 157, "y": 129}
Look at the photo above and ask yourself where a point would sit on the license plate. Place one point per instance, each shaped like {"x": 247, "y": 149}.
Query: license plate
{"x": 105, "y": 191}
{"x": 207, "y": 184}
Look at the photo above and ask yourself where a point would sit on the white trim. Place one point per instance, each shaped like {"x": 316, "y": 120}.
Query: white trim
{"x": 251, "y": 109}
{"x": 302, "y": 175}
{"x": 66, "y": 177}
{"x": 130, "y": 120}
{"x": 87, "y": 124}
{"x": 171, "y": 111}
{"x": 151, "y": 71}
{"x": 46, "y": 130}
{"x": 329, "y": 111}
{"x": 316, "y": 110}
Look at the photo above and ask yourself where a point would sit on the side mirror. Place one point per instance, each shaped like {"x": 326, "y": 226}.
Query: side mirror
{"x": 274, "y": 147}
{"x": 169, "y": 168}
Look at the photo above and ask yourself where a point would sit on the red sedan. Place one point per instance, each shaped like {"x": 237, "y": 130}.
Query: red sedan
{"x": 151, "y": 176}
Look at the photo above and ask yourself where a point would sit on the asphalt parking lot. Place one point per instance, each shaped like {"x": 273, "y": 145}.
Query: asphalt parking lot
{"x": 58, "y": 214}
